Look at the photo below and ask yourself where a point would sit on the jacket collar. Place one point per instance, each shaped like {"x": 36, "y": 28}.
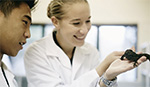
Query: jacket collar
{"x": 8, "y": 73}
{"x": 56, "y": 52}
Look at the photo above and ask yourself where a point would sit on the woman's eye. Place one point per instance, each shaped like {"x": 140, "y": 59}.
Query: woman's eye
{"x": 76, "y": 23}
{"x": 25, "y": 22}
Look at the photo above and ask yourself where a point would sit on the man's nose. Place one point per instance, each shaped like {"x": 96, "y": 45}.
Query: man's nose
{"x": 27, "y": 33}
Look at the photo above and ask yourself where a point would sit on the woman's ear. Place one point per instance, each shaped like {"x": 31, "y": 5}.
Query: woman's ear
{"x": 55, "y": 22}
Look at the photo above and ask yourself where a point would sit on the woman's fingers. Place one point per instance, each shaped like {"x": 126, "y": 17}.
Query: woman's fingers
{"x": 133, "y": 48}
{"x": 119, "y": 53}
{"x": 142, "y": 59}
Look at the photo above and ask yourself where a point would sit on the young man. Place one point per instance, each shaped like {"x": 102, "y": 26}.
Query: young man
{"x": 15, "y": 20}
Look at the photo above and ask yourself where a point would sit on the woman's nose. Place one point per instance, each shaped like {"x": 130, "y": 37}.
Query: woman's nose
{"x": 84, "y": 29}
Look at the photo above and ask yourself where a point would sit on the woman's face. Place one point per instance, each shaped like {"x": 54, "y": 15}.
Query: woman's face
{"x": 74, "y": 26}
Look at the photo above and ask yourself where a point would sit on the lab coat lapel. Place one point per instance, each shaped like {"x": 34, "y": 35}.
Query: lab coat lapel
{"x": 53, "y": 50}
{"x": 64, "y": 59}
{"x": 78, "y": 60}
{"x": 9, "y": 76}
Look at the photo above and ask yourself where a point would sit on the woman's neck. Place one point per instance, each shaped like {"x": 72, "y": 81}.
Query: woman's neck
{"x": 69, "y": 53}
{"x": 68, "y": 49}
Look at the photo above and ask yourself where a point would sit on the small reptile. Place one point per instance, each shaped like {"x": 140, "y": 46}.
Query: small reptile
{"x": 133, "y": 57}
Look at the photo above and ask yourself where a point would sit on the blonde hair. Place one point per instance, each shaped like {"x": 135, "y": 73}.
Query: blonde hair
{"x": 55, "y": 8}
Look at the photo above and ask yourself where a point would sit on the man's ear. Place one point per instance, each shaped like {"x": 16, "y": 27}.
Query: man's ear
{"x": 1, "y": 16}
{"x": 1, "y": 13}
{"x": 55, "y": 22}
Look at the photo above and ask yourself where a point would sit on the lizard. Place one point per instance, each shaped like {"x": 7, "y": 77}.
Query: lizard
{"x": 133, "y": 57}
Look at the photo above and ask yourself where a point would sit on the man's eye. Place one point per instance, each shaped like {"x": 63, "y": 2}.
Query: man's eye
{"x": 88, "y": 21}
{"x": 25, "y": 22}
{"x": 76, "y": 23}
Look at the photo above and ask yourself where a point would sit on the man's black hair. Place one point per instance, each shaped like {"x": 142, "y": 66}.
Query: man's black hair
{"x": 6, "y": 6}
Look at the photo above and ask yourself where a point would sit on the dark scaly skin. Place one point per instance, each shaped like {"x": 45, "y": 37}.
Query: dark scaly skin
{"x": 133, "y": 57}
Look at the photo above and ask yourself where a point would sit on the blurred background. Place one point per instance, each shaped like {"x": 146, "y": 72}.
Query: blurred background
{"x": 116, "y": 26}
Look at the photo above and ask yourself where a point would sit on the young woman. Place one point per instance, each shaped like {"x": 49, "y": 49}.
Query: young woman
{"x": 63, "y": 59}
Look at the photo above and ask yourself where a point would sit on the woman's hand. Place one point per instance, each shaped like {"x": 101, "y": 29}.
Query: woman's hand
{"x": 119, "y": 66}
{"x": 108, "y": 60}
{"x": 113, "y": 56}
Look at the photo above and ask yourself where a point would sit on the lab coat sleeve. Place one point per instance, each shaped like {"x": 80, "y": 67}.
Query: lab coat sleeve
{"x": 96, "y": 61}
{"x": 41, "y": 74}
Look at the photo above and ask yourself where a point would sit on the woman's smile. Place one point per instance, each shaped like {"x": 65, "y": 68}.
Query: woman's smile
{"x": 79, "y": 37}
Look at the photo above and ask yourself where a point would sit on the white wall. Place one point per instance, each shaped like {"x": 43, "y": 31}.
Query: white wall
{"x": 110, "y": 12}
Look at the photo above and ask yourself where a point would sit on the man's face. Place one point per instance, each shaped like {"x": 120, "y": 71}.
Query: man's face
{"x": 14, "y": 30}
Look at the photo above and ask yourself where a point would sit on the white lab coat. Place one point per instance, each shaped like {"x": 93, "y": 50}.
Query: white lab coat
{"x": 10, "y": 78}
{"x": 48, "y": 66}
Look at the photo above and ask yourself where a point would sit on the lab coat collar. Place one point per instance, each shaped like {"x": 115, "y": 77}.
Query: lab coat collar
{"x": 8, "y": 73}
{"x": 53, "y": 50}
